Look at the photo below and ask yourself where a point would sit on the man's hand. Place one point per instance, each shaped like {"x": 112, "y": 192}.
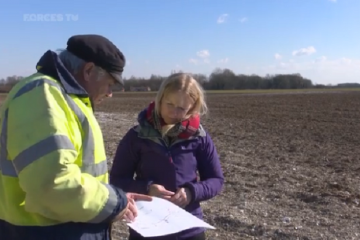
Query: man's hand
{"x": 182, "y": 197}
{"x": 130, "y": 212}
{"x": 138, "y": 197}
{"x": 159, "y": 191}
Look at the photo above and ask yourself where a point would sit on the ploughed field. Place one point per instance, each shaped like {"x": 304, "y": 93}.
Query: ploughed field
{"x": 291, "y": 162}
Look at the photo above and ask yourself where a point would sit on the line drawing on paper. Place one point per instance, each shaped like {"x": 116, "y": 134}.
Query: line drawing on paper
{"x": 165, "y": 220}
{"x": 160, "y": 217}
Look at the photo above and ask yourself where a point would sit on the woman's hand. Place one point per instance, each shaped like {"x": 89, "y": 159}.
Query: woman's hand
{"x": 182, "y": 197}
{"x": 160, "y": 191}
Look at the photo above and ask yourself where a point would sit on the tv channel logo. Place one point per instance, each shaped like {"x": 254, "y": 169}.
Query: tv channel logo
{"x": 50, "y": 17}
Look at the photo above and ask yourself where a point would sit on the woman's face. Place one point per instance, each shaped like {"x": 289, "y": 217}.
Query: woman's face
{"x": 175, "y": 106}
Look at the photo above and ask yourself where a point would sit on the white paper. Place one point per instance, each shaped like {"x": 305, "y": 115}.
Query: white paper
{"x": 161, "y": 217}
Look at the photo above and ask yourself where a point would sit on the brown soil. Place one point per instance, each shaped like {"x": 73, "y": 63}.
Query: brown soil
{"x": 291, "y": 163}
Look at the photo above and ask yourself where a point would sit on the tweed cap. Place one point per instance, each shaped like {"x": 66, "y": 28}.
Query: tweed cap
{"x": 99, "y": 50}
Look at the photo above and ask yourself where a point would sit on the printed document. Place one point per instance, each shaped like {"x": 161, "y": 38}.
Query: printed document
{"x": 161, "y": 217}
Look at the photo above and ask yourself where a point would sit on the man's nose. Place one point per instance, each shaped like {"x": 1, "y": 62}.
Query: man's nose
{"x": 109, "y": 94}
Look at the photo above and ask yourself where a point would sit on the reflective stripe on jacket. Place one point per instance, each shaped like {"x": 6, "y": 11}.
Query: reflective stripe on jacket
{"x": 53, "y": 168}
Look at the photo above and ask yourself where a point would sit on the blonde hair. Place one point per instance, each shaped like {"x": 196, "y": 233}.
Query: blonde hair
{"x": 186, "y": 83}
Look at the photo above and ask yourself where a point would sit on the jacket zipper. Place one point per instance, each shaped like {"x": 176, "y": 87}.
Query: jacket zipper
{"x": 168, "y": 150}
{"x": 170, "y": 157}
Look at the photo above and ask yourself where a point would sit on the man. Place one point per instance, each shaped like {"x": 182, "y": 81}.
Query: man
{"x": 53, "y": 168}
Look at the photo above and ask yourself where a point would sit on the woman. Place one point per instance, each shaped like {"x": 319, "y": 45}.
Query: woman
{"x": 167, "y": 148}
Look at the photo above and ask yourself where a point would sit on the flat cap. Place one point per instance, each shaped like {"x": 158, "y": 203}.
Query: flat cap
{"x": 99, "y": 50}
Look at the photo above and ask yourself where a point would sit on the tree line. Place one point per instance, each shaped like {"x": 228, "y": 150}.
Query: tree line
{"x": 219, "y": 79}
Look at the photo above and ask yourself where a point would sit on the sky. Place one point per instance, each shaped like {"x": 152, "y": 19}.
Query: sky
{"x": 320, "y": 39}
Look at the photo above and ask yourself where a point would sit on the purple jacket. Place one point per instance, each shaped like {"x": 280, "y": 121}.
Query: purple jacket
{"x": 142, "y": 152}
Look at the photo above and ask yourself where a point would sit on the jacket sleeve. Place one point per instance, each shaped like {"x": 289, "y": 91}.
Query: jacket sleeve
{"x": 125, "y": 163}
{"x": 43, "y": 150}
{"x": 210, "y": 171}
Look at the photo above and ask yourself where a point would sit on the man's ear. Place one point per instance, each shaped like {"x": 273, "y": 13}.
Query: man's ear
{"x": 88, "y": 71}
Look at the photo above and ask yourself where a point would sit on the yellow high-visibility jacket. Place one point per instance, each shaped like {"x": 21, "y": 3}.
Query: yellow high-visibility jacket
{"x": 53, "y": 167}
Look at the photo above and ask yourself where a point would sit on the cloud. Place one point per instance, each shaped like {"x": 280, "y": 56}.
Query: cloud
{"x": 277, "y": 56}
{"x": 178, "y": 68}
{"x": 304, "y": 51}
{"x": 346, "y": 60}
{"x": 202, "y": 57}
{"x": 321, "y": 70}
{"x": 222, "y": 18}
{"x": 224, "y": 60}
{"x": 193, "y": 61}
{"x": 320, "y": 59}
{"x": 244, "y": 19}
{"x": 203, "y": 53}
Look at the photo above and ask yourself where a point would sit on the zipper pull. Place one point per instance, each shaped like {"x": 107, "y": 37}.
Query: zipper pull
{"x": 170, "y": 158}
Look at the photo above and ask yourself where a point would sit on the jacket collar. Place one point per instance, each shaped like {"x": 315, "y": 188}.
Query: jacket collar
{"x": 146, "y": 130}
{"x": 51, "y": 65}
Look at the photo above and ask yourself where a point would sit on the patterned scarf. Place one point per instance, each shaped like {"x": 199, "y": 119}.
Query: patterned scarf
{"x": 182, "y": 130}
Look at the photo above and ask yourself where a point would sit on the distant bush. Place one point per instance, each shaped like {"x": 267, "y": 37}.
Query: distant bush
{"x": 219, "y": 79}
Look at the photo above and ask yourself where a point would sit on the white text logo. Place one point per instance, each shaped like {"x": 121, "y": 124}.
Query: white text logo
{"x": 50, "y": 17}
